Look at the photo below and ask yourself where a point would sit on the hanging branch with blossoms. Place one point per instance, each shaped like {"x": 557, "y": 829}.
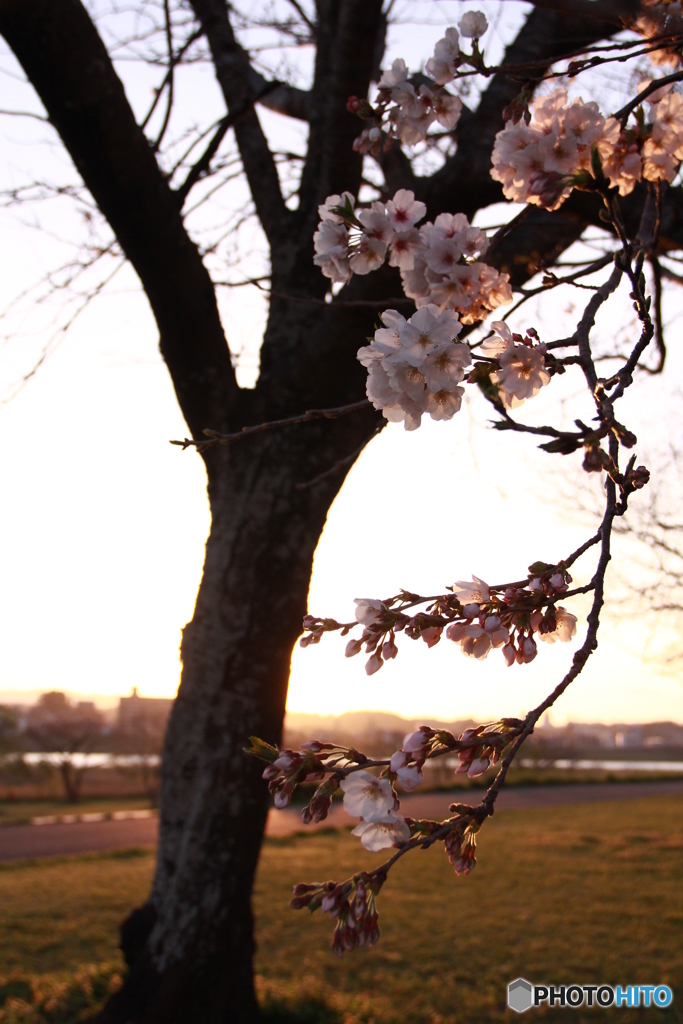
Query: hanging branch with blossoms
{"x": 422, "y": 364}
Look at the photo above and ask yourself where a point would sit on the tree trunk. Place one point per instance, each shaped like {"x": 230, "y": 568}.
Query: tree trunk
{"x": 190, "y": 947}
{"x": 71, "y": 781}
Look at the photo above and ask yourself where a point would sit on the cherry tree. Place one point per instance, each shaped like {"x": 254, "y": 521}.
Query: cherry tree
{"x": 376, "y": 212}
{"x": 548, "y": 148}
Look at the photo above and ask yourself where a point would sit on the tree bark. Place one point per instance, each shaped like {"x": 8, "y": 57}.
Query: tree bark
{"x": 190, "y": 949}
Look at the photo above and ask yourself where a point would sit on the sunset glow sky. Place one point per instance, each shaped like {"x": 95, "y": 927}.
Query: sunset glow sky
{"x": 103, "y": 522}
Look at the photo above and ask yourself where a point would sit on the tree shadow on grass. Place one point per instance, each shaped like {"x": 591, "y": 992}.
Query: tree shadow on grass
{"x": 303, "y": 1011}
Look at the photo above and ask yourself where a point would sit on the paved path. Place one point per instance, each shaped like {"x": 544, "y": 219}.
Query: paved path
{"x": 20, "y": 842}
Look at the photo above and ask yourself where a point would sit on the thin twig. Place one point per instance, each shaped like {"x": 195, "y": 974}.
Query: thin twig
{"x": 213, "y": 438}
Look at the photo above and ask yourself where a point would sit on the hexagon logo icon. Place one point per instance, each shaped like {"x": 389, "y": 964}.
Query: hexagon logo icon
{"x": 520, "y": 995}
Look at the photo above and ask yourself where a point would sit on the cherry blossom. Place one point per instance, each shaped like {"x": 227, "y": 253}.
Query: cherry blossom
{"x": 372, "y": 141}
{"x": 475, "y": 591}
{"x": 409, "y": 776}
{"x": 446, "y": 60}
{"x": 413, "y": 114}
{"x": 414, "y": 366}
{"x": 447, "y": 109}
{"x": 404, "y": 210}
{"x": 522, "y": 374}
{"x": 368, "y": 612}
{"x": 331, "y": 242}
{"x": 405, "y": 247}
{"x": 381, "y": 833}
{"x": 416, "y": 742}
{"x": 541, "y": 162}
{"x": 366, "y": 796}
{"x": 438, "y": 262}
{"x": 427, "y": 332}
{"x": 395, "y": 76}
{"x": 473, "y": 25}
{"x": 565, "y": 627}
{"x": 659, "y": 19}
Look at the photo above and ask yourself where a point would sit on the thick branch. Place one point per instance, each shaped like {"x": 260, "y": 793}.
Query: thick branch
{"x": 280, "y": 97}
{"x": 233, "y": 75}
{"x": 345, "y": 63}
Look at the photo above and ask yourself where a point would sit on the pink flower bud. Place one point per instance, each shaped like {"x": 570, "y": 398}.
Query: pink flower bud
{"x": 431, "y": 635}
{"x": 352, "y": 647}
{"x": 332, "y": 902}
{"x": 463, "y": 865}
{"x": 301, "y": 888}
{"x": 282, "y": 798}
{"x": 492, "y": 623}
{"x": 529, "y": 649}
{"x": 536, "y": 618}
{"x": 467, "y": 735}
{"x": 413, "y": 742}
{"x": 456, "y": 632}
{"x": 373, "y": 664}
{"x": 399, "y": 759}
{"x": 286, "y": 760}
{"x": 471, "y": 611}
{"x": 509, "y": 654}
{"x": 478, "y": 766}
{"x": 270, "y": 772}
{"x": 389, "y": 650}
{"x": 410, "y": 777}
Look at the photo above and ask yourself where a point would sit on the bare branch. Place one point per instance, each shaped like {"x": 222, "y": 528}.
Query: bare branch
{"x": 213, "y": 437}
{"x": 232, "y": 72}
{"x": 69, "y": 67}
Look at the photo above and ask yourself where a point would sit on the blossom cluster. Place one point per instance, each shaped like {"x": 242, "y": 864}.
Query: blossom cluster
{"x": 489, "y": 625}
{"x": 415, "y": 366}
{"x": 521, "y": 365}
{"x": 405, "y": 112}
{"x": 447, "y": 270}
{"x": 478, "y": 749}
{"x": 369, "y": 797}
{"x": 352, "y": 904}
{"x": 438, "y": 262}
{"x": 659, "y": 19}
{"x": 373, "y": 799}
{"x": 542, "y": 161}
{"x": 476, "y": 618}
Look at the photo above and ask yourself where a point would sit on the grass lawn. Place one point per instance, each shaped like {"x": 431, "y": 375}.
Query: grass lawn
{"x": 589, "y": 893}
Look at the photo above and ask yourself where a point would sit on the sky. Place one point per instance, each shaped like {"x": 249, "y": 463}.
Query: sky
{"x": 104, "y": 522}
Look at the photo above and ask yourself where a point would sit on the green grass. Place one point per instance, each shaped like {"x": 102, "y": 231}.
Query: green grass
{"x": 588, "y": 893}
{"x": 20, "y": 812}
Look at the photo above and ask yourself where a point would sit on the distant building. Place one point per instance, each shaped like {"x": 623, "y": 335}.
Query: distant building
{"x": 55, "y": 706}
{"x": 53, "y": 700}
{"x": 136, "y": 710}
